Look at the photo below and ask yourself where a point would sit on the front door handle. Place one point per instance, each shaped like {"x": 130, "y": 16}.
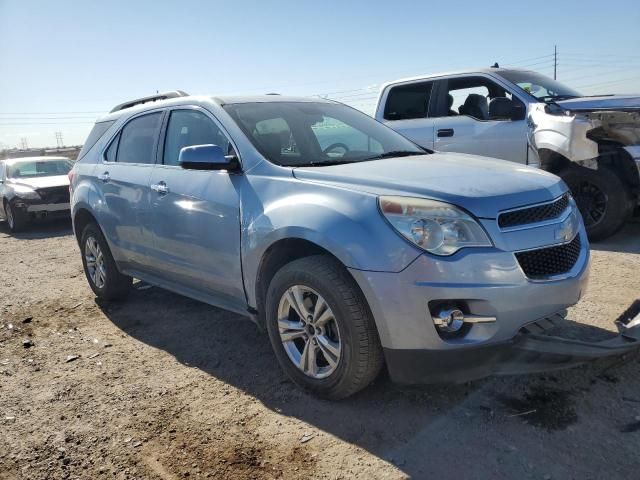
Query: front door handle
{"x": 445, "y": 132}
{"x": 160, "y": 188}
{"x": 105, "y": 177}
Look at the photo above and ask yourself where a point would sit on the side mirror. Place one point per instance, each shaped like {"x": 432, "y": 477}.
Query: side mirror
{"x": 502, "y": 108}
{"x": 206, "y": 157}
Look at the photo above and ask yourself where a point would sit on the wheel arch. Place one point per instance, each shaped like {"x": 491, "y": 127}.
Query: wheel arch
{"x": 81, "y": 219}
{"x": 279, "y": 254}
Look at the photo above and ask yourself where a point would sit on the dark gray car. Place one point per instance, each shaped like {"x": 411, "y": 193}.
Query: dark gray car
{"x": 33, "y": 188}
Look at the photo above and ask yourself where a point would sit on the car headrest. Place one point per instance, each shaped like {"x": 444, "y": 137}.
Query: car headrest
{"x": 475, "y": 106}
{"x": 500, "y": 108}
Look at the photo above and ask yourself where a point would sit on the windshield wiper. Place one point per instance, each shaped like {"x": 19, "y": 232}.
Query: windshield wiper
{"x": 397, "y": 153}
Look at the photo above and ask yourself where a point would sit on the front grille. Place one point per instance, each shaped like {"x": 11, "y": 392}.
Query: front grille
{"x": 535, "y": 214}
{"x": 54, "y": 194}
{"x": 550, "y": 261}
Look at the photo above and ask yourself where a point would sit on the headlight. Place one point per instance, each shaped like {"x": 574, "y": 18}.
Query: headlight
{"x": 25, "y": 192}
{"x": 437, "y": 227}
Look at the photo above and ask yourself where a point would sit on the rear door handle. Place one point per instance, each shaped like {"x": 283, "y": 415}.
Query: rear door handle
{"x": 445, "y": 132}
{"x": 160, "y": 188}
{"x": 105, "y": 177}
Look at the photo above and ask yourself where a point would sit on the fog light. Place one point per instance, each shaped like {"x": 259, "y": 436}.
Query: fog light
{"x": 449, "y": 320}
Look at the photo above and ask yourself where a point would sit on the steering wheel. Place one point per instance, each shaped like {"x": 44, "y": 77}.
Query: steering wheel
{"x": 334, "y": 146}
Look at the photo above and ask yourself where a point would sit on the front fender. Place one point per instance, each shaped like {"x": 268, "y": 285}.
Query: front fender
{"x": 563, "y": 134}
{"x": 347, "y": 224}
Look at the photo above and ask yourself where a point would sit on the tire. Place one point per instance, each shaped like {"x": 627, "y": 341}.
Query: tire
{"x": 106, "y": 282}
{"x": 603, "y": 199}
{"x": 16, "y": 220}
{"x": 347, "y": 355}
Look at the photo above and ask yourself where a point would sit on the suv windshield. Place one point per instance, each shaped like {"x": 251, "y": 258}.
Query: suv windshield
{"x": 540, "y": 86}
{"x": 38, "y": 168}
{"x": 309, "y": 133}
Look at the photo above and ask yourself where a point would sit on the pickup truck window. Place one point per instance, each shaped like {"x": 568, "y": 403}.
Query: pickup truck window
{"x": 471, "y": 96}
{"x": 406, "y": 102}
{"x": 307, "y": 134}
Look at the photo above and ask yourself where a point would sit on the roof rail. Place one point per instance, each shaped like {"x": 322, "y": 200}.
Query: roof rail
{"x": 151, "y": 98}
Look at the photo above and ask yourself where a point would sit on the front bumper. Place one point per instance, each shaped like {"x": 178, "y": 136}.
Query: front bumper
{"x": 38, "y": 209}
{"x": 490, "y": 283}
{"x": 526, "y": 353}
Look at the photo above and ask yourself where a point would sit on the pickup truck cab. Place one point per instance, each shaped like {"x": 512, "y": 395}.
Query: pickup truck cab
{"x": 353, "y": 246}
{"x": 592, "y": 143}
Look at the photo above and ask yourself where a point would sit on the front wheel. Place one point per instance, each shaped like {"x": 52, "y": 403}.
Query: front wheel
{"x": 99, "y": 267}
{"x": 320, "y": 327}
{"x": 602, "y": 198}
{"x": 15, "y": 218}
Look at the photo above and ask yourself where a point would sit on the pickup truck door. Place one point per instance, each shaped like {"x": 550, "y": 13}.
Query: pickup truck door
{"x": 195, "y": 214}
{"x": 407, "y": 111}
{"x": 464, "y": 123}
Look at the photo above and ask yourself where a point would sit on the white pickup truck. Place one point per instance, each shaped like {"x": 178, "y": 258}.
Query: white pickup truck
{"x": 592, "y": 143}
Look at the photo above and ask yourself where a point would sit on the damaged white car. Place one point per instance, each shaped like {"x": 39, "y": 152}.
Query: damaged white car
{"x": 592, "y": 143}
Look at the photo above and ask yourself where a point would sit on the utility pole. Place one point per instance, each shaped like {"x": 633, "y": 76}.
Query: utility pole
{"x": 59, "y": 139}
{"x": 555, "y": 61}
{"x": 23, "y": 143}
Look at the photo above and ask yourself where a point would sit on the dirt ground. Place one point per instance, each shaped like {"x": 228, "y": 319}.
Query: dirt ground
{"x": 164, "y": 387}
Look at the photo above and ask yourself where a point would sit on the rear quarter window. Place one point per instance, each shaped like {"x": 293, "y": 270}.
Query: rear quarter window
{"x": 96, "y": 133}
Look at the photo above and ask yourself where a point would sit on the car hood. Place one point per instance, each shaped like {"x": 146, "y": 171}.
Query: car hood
{"x": 604, "y": 102}
{"x": 483, "y": 186}
{"x": 42, "y": 182}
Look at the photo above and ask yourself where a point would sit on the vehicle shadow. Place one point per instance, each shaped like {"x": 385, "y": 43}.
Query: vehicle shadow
{"x": 407, "y": 426}
{"x": 40, "y": 230}
{"x": 626, "y": 240}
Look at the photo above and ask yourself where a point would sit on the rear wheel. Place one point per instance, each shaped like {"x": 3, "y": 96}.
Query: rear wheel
{"x": 16, "y": 219}
{"x": 99, "y": 267}
{"x": 321, "y": 329}
{"x": 602, "y": 198}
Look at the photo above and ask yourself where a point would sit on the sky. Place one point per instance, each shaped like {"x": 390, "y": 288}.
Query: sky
{"x": 64, "y": 63}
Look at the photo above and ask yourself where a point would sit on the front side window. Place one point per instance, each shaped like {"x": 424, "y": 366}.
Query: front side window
{"x": 38, "y": 168}
{"x": 138, "y": 139}
{"x": 314, "y": 133}
{"x": 187, "y": 128}
{"x": 472, "y": 96}
{"x": 406, "y": 102}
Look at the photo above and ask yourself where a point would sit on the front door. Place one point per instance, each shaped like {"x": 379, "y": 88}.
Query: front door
{"x": 196, "y": 213}
{"x": 466, "y": 123}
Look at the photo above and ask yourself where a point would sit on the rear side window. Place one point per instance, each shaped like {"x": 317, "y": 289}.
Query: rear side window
{"x": 405, "y": 102}
{"x": 189, "y": 127}
{"x": 96, "y": 133}
{"x": 138, "y": 139}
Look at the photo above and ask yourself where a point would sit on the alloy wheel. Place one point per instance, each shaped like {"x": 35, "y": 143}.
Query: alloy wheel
{"x": 95, "y": 262}
{"x": 309, "y": 332}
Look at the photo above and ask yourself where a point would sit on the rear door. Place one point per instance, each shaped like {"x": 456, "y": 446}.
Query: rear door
{"x": 465, "y": 122}
{"x": 123, "y": 178}
{"x": 195, "y": 214}
{"x": 407, "y": 110}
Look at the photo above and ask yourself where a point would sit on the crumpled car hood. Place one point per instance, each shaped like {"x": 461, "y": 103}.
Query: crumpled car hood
{"x": 483, "y": 186}
{"x": 604, "y": 102}
{"x": 42, "y": 182}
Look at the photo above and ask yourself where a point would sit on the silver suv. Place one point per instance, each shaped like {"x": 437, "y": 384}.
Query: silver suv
{"x": 349, "y": 243}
